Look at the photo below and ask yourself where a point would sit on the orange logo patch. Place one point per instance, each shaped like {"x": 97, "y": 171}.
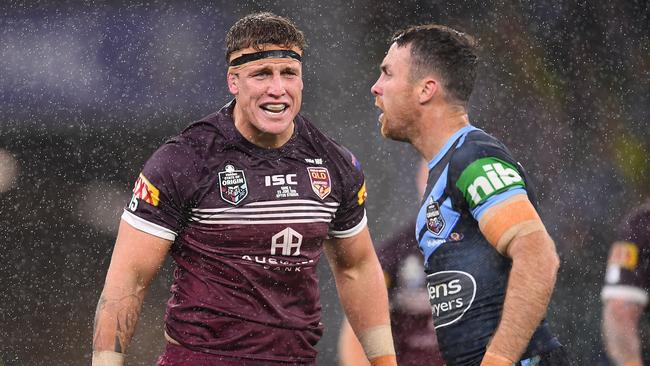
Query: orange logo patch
{"x": 320, "y": 181}
{"x": 624, "y": 254}
{"x": 362, "y": 194}
{"x": 146, "y": 191}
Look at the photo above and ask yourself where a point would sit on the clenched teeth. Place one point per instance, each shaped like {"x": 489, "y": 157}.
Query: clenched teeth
{"x": 276, "y": 108}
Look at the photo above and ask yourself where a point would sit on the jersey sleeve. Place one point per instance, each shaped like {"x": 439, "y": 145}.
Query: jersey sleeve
{"x": 350, "y": 216}
{"x": 162, "y": 192}
{"x": 628, "y": 273}
{"x": 484, "y": 174}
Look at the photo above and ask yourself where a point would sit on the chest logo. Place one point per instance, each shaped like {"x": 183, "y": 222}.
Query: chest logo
{"x": 232, "y": 185}
{"x": 320, "y": 181}
{"x": 435, "y": 220}
{"x": 451, "y": 294}
{"x": 286, "y": 242}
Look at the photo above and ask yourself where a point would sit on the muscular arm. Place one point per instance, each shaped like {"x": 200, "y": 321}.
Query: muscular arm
{"x": 363, "y": 295}
{"x": 514, "y": 228}
{"x": 620, "y": 321}
{"x": 137, "y": 256}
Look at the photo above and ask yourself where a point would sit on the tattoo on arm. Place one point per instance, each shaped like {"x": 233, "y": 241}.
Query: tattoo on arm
{"x": 118, "y": 317}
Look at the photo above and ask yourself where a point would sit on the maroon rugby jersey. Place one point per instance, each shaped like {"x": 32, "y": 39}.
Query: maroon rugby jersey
{"x": 628, "y": 267}
{"x": 248, "y": 226}
{"x": 410, "y": 313}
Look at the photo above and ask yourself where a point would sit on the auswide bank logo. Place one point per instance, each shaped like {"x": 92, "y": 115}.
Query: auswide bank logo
{"x": 451, "y": 294}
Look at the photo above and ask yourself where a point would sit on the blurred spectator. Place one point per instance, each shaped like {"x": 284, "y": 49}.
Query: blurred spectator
{"x": 625, "y": 293}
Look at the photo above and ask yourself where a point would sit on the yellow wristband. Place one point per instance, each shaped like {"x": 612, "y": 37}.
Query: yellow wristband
{"x": 387, "y": 360}
{"x": 492, "y": 359}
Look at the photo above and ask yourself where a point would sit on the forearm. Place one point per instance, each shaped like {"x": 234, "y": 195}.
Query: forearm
{"x": 530, "y": 285}
{"x": 362, "y": 291}
{"x": 621, "y": 333}
{"x": 364, "y": 299}
{"x": 115, "y": 319}
{"x": 135, "y": 261}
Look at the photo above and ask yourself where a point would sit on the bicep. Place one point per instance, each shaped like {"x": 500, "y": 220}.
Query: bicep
{"x": 137, "y": 256}
{"x": 514, "y": 217}
{"x": 350, "y": 251}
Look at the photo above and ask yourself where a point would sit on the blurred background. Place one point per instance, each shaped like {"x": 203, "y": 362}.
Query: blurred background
{"x": 88, "y": 90}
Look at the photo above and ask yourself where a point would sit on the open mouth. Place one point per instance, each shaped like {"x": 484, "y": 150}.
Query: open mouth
{"x": 274, "y": 108}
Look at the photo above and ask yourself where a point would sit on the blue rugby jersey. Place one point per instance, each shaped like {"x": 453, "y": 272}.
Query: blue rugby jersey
{"x": 466, "y": 276}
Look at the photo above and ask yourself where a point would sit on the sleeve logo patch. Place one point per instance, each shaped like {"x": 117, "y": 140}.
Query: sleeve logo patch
{"x": 146, "y": 191}
{"x": 624, "y": 254}
{"x": 486, "y": 177}
{"x": 362, "y": 194}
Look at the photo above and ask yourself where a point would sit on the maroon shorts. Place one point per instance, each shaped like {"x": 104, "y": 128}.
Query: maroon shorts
{"x": 180, "y": 356}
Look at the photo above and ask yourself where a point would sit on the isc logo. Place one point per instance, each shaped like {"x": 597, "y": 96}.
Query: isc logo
{"x": 280, "y": 179}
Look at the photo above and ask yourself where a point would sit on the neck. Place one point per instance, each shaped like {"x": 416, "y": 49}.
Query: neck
{"x": 257, "y": 137}
{"x": 436, "y": 127}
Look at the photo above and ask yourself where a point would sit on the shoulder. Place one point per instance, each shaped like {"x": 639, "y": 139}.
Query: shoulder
{"x": 188, "y": 149}
{"x": 482, "y": 167}
{"x": 332, "y": 150}
{"x": 478, "y": 144}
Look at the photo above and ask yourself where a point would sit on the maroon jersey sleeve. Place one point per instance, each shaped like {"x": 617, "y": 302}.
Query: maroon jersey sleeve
{"x": 163, "y": 191}
{"x": 628, "y": 273}
{"x": 350, "y": 217}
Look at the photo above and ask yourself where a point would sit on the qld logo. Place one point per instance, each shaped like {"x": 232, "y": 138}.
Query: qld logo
{"x": 320, "y": 181}
{"x": 451, "y": 294}
{"x": 435, "y": 220}
{"x": 232, "y": 185}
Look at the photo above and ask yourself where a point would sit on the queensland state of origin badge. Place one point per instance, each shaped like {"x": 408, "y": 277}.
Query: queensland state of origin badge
{"x": 435, "y": 221}
{"x": 232, "y": 185}
{"x": 320, "y": 181}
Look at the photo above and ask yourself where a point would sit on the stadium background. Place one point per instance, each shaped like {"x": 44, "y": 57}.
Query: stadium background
{"x": 89, "y": 89}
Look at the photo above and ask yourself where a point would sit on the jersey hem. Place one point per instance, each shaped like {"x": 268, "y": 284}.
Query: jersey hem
{"x": 352, "y": 231}
{"x": 148, "y": 227}
{"x": 629, "y": 293}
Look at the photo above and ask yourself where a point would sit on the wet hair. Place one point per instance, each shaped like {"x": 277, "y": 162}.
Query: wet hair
{"x": 448, "y": 53}
{"x": 257, "y": 29}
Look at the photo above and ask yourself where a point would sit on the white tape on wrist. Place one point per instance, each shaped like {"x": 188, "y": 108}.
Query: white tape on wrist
{"x": 377, "y": 341}
{"x": 108, "y": 358}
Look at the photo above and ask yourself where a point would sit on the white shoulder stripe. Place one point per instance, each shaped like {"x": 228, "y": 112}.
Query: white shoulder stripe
{"x": 264, "y": 209}
{"x": 259, "y": 216}
{"x": 148, "y": 227}
{"x": 292, "y": 202}
{"x": 623, "y": 292}
{"x": 350, "y": 232}
{"x": 263, "y": 222}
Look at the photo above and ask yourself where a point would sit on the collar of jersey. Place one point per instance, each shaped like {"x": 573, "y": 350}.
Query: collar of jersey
{"x": 227, "y": 125}
{"x": 448, "y": 144}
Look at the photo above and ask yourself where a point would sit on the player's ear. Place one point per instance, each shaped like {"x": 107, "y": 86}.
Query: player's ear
{"x": 428, "y": 88}
{"x": 233, "y": 83}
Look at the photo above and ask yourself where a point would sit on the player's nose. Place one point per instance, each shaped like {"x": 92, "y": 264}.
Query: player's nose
{"x": 376, "y": 88}
{"x": 276, "y": 86}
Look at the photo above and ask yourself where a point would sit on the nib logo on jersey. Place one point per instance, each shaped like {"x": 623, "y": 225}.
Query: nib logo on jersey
{"x": 451, "y": 293}
{"x": 486, "y": 177}
{"x": 286, "y": 243}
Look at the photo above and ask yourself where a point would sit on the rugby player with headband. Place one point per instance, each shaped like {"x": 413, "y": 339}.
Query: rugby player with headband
{"x": 245, "y": 201}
